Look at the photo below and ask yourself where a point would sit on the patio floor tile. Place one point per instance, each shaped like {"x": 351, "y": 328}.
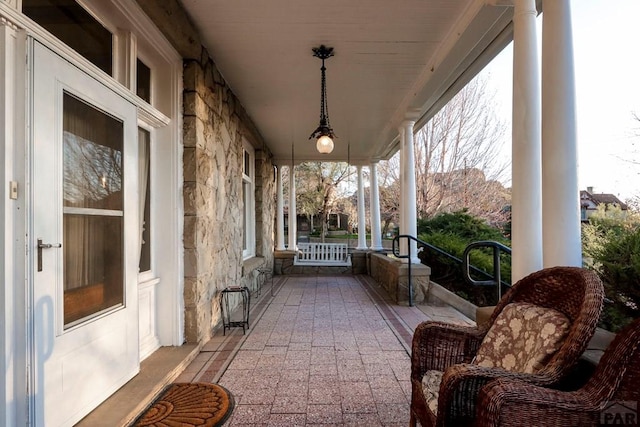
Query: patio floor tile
{"x": 324, "y": 414}
{"x": 324, "y": 351}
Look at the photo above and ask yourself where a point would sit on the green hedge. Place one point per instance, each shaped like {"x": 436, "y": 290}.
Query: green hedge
{"x": 618, "y": 264}
{"x": 452, "y": 232}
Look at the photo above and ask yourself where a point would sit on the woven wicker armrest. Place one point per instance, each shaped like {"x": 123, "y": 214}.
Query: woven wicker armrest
{"x": 461, "y": 385}
{"x": 438, "y": 345}
{"x": 609, "y": 397}
{"x": 509, "y": 402}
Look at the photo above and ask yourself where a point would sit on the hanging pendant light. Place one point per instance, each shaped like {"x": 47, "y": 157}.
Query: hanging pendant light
{"x": 323, "y": 133}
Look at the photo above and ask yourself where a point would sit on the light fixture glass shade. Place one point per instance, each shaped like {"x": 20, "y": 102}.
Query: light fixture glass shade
{"x": 324, "y": 144}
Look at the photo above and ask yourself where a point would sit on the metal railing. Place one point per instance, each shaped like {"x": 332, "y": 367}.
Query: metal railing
{"x": 496, "y": 278}
{"x": 467, "y": 268}
{"x": 396, "y": 253}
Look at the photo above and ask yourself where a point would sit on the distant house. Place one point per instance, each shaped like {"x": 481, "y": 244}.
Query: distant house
{"x": 589, "y": 202}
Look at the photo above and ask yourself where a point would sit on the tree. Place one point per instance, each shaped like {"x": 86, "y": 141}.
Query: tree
{"x": 611, "y": 247}
{"x": 458, "y": 166}
{"x": 389, "y": 192}
{"x": 457, "y": 157}
{"x": 318, "y": 187}
{"x": 607, "y": 223}
{"x": 633, "y": 157}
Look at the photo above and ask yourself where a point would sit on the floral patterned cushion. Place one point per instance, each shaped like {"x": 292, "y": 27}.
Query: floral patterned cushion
{"x": 431, "y": 388}
{"x": 523, "y": 338}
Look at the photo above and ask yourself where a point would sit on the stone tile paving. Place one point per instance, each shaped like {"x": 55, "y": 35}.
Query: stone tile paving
{"x": 325, "y": 351}
{"x": 321, "y": 354}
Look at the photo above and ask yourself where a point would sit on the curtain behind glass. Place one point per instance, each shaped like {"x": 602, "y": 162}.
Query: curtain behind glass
{"x": 144, "y": 140}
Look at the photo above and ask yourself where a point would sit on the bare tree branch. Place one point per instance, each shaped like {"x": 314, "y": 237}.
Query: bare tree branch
{"x": 458, "y": 164}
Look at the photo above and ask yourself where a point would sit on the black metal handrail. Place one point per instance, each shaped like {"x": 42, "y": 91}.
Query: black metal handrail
{"x": 494, "y": 280}
{"x": 396, "y": 253}
{"x": 467, "y": 267}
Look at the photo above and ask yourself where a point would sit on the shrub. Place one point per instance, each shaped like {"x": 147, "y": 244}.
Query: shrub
{"x": 618, "y": 263}
{"x": 452, "y": 232}
{"x": 460, "y": 224}
{"x": 611, "y": 247}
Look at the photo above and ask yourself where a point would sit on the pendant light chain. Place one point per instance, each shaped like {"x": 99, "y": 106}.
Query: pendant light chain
{"x": 324, "y": 107}
{"x": 323, "y": 133}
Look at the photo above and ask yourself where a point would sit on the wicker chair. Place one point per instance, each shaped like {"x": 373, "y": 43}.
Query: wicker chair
{"x": 437, "y": 346}
{"x": 616, "y": 380}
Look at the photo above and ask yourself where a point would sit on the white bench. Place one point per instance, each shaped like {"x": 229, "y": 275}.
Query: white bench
{"x": 323, "y": 254}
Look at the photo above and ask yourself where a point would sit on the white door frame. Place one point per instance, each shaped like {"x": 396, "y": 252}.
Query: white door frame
{"x": 14, "y": 29}
{"x": 13, "y": 338}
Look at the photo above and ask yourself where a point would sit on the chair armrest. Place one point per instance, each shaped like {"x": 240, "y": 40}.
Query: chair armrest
{"x": 509, "y": 402}
{"x": 438, "y": 345}
{"x": 461, "y": 385}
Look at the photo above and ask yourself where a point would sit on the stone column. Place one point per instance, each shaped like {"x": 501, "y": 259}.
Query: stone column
{"x": 560, "y": 191}
{"x": 374, "y": 208}
{"x": 279, "y": 212}
{"x": 409, "y": 191}
{"x": 362, "y": 225}
{"x": 526, "y": 194}
{"x": 292, "y": 209}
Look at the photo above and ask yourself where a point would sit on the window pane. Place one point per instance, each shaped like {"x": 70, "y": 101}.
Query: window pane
{"x": 69, "y": 22}
{"x": 92, "y": 157}
{"x": 144, "y": 139}
{"x": 248, "y": 198}
{"x": 247, "y": 164}
{"x": 143, "y": 81}
{"x": 245, "y": 213}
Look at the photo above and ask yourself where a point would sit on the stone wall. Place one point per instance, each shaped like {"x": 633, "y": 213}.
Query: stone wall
{"x": 265, "y": 205}
{"x": 215, "y": 124}
{"x": 393, "y": 275}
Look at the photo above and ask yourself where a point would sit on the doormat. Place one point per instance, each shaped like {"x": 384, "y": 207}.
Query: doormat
{"x": 189, "y": 404}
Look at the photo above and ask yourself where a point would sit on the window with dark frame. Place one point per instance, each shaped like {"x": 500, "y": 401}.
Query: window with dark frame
{"x": 74, "y": 26}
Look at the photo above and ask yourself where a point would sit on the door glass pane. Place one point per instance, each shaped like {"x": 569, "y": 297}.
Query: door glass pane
{"x": 92, "y": 265}
{"x": 93, "y": 215}
{"x": 75, "y": 27}
{"x": 92, "y": 157}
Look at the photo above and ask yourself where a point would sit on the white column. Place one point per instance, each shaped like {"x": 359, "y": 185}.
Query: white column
{"x": 402, "y": 220}
{"x": 409, "y": 191}
{"x": 362, "y": 222}
{"x": 526, "y": 194}
{"x": 292, "y": 209}
{"x": 279, "y": 212}
{"x": 374, "y": 208}
{"x": 560, "y": 191}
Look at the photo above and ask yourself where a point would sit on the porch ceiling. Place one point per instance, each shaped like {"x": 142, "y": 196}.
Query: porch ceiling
{"x": 391, "y": 58}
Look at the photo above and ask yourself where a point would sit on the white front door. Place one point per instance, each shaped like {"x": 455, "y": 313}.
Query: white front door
{"x": 84, "y": 240}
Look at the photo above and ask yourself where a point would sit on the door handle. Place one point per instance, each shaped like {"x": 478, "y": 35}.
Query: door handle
{"x": 42, "y": 246}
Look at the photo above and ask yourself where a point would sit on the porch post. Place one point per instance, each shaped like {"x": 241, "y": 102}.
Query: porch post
{"x": 292, "y": 209}
{"x": 362, "y": 225}
{"x": 526, "y": 194}
{"x": 560, "y": 191}
{"x": 402, "y": 221}
{"x": 279, "y": 211}
{"x": 374, "y": 207}
{"x": 410, "y": 208}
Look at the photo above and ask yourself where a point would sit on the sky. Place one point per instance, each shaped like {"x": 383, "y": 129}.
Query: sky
{"x": 606, "y": 41}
